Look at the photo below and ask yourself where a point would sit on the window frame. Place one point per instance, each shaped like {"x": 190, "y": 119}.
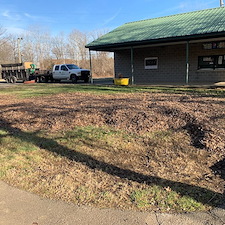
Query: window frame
{"x": 216, "y": 62}
{"x": 64, "y": 68}
{"x": 57, "y": 67}
{"x": 151, "y": 66}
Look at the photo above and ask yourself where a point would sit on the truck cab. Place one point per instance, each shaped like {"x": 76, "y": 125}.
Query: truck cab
{"x": 70, "y": 72}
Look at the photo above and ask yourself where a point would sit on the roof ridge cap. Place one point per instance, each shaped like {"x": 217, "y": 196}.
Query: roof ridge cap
{"x": 175, "y": 15}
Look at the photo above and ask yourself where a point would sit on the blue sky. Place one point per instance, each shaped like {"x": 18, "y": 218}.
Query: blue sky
{"x": 87, "y": 15}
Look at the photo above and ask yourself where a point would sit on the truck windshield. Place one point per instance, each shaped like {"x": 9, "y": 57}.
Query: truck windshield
{"x": 72, "y": 66}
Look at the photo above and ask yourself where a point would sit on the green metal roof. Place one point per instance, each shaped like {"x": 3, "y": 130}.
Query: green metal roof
{"x": 175, "y": 27}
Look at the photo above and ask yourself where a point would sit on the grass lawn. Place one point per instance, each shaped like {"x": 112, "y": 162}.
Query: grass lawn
{"x": 33, "y": 90}
{"x": 71, "y": 142}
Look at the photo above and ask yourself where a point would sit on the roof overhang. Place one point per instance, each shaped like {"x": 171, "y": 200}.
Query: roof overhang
{"x": 159, "y": 42}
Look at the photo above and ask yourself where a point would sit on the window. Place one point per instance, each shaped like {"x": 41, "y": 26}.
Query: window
{"x": 214, "y": 45}
{"x": 151, "y": 63}
{"x": 64, "y": 68}
{"x": 211, "y": 62}
{"x": 72, "y": 66}
{"x": 57, "y": 68}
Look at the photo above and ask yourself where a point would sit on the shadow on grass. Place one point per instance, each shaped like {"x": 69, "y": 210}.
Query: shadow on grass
{"x": 199, "y": 194}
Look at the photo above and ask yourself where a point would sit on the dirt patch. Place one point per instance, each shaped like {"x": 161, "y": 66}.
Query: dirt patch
{"x": 198, "y": 121}
{"x": 203, "y": 118}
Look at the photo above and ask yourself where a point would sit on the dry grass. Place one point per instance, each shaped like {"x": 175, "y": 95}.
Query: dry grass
{"x": 137, "y": 151}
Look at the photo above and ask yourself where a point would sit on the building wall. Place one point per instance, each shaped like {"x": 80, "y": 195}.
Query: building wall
{"x": 204, "y": 76}
{"x": 171, "y": 65}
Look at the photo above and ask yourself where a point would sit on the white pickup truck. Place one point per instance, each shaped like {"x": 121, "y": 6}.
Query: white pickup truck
{"x": 70, "y": 72}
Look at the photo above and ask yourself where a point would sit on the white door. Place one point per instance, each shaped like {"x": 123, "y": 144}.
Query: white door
{"x": 64, "y": 72}
{"x": 56, "y": 72}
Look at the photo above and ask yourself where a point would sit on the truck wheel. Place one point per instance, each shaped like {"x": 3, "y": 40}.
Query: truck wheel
{"x": 74, "y": 78}
{"x": 12, "y": 79}
{"x": 41, "y": 79}
{"x": 86, "y": 80}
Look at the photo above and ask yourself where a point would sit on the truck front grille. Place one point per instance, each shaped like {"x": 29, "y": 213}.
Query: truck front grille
{"x": 85, "y": 73}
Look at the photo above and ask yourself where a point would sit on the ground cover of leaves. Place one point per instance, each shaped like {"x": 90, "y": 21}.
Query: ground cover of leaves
{"x": 175, "y": 141}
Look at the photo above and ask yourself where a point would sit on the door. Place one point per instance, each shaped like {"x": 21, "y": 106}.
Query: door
{"x": 64, "y": 72}
{"x": 56, "y": 73}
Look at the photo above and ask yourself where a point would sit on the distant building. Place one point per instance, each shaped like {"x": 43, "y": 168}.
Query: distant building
{"x": 187, "y": 48}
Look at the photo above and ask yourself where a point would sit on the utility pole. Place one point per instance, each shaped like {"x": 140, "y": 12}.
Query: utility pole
{"x": 18, "y": 46}
{"x": 221, "y": 3}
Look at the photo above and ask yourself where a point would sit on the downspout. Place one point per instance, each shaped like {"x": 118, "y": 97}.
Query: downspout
{"x": 90, "y": 66}
{"x": 132, "y": 65}
{"x": 187, "y": 63}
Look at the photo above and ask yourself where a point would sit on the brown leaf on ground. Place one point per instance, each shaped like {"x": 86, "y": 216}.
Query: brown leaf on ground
{"x": 198, "y": 121}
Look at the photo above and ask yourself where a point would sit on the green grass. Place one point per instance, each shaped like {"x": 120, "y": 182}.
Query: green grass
{"x": 33, "y": 90}
{"x": 165, "y": 198}
{"x": 84, "y": 166}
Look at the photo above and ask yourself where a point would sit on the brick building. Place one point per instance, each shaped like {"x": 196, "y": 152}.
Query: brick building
{"x": 186, "y": 48}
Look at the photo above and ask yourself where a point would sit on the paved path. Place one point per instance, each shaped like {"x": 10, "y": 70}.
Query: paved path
{"x": 18, "y": 207}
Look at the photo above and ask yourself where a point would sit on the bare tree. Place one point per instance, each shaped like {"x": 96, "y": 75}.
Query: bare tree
{"x": 40, "y": 47}
{"x": 59, "y": 46}
{"x": 36, "y": 46}
{"x": 7, "y": 47}
{"x": 76, "y": 45}
{"x": 3, "y": 37}
{"x": 103, "y": 62}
